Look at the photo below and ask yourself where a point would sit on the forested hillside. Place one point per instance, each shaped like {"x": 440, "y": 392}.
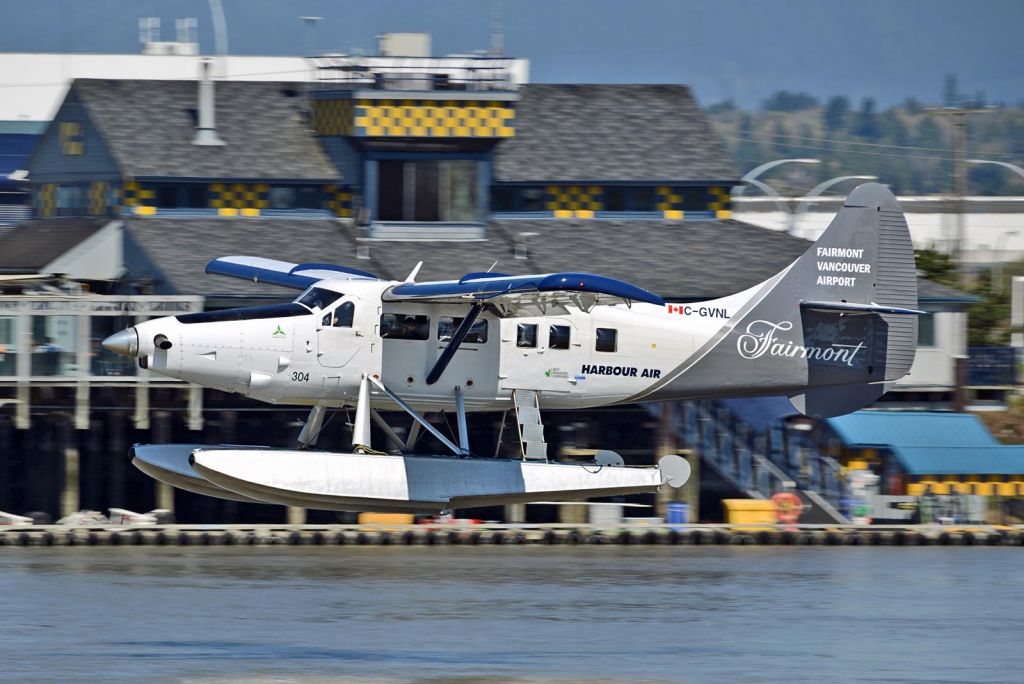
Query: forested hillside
{"x": 907, "y": 146}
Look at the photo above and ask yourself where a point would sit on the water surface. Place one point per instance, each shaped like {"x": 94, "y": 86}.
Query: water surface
{"x": 512, "y": 614}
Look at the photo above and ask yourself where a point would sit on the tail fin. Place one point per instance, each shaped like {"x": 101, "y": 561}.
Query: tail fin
{"x": 830, "y": 331}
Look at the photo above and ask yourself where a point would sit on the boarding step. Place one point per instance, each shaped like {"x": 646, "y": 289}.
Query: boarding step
{"x": 531, "y": 429}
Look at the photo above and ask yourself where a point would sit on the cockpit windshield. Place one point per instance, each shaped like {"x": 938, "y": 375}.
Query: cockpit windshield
{"x": 318, "y": 298}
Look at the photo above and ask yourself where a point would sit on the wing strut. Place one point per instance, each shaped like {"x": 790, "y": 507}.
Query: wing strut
{"x": 453, "y": 344}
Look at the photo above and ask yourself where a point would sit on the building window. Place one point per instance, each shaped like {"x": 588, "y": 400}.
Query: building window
{"x": 503, "y": 199}
{"x": 447, "y": 325}
{"x": 558, "y": 337}
{"x": 533, "y": 199}
{"x": 282, "y": 197}
{"x": 526, "y": 335}
{"x": 196, "y": 196}
{"x": 395, "y": 326}
{"x": 606, "y": 340}
{"x": 8, "y": 346}
{"x": 168, "y": 196}
{"x": 72, "y": 200}
{"x": 926, "y": 330}
{"x": 428, "y": 191}
{"x": 310, "y": 197}
{"x": 53, "y": 345}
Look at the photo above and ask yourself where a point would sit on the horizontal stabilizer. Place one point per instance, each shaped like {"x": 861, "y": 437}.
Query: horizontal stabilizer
{"x": 283, "y": 273}
{"x": 854, "y": 308}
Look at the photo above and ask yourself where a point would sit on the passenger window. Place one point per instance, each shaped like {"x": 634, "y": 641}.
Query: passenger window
{"x": 526, "y": 335}
{"x": 447, "y": 325}
{"x": 607, "y": 340}
{"x": 558, "y": 337}
{"x": 404, "y": 326}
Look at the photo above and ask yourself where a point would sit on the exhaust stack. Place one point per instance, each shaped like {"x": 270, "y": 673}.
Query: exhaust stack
{"x": 206, "y": 128}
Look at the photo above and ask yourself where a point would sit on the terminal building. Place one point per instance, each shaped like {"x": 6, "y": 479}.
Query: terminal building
{"x": 453, "y": 161}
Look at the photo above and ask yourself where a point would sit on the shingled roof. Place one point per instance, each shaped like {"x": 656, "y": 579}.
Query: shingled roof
{"x": 149, "y": 125}
{"x": 32, "y": 245}
{"x": 611, "y": 132}
{"x": 692, "y": 259}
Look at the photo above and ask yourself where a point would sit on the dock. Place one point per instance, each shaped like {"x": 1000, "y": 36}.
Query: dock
{"x": 511, "y": 534}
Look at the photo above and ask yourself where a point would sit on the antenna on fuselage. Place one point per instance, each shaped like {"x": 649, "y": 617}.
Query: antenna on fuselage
{"x": 411, "y": 278}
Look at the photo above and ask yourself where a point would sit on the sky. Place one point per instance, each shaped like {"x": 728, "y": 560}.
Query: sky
{"x": 739, "y": 49}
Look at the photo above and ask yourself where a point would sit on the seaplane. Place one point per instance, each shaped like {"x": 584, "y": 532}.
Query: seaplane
{"x": 832, "y": 331}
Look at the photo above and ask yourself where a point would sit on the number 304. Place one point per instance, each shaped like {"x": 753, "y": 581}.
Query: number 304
{"x": 300, "y": 377}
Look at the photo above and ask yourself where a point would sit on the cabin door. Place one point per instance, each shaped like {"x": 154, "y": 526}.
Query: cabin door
{"x": 540, "y": 353}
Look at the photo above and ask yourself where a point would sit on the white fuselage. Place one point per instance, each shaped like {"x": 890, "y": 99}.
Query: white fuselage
{"x": 317, "y": 352}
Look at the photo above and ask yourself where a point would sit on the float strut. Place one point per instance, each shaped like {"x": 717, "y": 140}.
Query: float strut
{"x": 388, "y": 432}
{"x": 311, "y": 430}
{"x": 418, "y": 418}
{"x": 460, "y": 408}
{"x": 361, "y": 428}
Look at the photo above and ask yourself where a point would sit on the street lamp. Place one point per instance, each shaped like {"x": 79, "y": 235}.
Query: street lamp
{"x": 770, "y": 192}
{"x": 816, "y": 191}
{"x": 1006, "y": 165}
{"x": 749, "y": 176}
{"x": 997, "y": 280}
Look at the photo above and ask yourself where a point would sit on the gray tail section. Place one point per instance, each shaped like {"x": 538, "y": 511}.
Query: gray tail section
{"x": 836, "y": 327}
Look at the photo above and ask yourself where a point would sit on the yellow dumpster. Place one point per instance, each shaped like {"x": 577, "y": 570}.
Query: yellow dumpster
{"x": 749, "y": 511}
{"x": 385, "y": 519}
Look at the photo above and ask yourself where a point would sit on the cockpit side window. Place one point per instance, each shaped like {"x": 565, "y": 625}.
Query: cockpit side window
{"x": 318, "y": 298}
{"x": 344, "y": 314}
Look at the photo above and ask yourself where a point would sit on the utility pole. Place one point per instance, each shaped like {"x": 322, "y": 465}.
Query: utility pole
{"x": 958, "y": 205}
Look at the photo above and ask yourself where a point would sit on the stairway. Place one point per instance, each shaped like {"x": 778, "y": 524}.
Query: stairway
{"x": 531, "y": 430}
{"x": 760, "y": 463}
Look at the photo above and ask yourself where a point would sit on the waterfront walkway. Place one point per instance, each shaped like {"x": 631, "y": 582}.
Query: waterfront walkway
{"x": 496, "y": 534}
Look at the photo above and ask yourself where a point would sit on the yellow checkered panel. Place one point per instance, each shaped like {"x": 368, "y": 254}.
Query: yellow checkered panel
{"x": 579, "y": 201}
{"x": 720, "y": 202}
{"x": 239, "y": 199}
{"x": 668, "y": 199}
{"x": 46, "y": 199}
{"x": 137, "y": 198}
{"x": 415, "y": 118}
{"x": 72, "y": 140}
{"x": 339, "y": 200}
{"x": 99, "y": 191}
{"x": 332, "y": 117}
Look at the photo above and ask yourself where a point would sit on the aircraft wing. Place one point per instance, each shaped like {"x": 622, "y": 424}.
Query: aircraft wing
{"x": 283, "y": 273}
{"x": 515, "y": 293}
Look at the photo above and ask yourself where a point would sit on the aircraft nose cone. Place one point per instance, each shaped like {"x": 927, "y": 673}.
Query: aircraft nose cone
{"x": 125, "y": 342}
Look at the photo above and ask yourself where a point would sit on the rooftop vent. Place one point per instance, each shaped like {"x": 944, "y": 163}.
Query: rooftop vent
{"x": 206, "y": 128}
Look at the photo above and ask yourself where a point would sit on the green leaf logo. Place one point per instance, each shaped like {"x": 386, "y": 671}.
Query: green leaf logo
{"x": 279, "y": 332}
{"x": 547, "y": 373}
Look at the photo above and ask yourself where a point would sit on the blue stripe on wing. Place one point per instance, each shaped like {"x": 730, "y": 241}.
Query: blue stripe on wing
{"x": 490, "y": 286}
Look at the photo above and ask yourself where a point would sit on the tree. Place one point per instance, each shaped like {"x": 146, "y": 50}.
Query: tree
{"x": 786, "y": 101}
{"x": 867, "y": 120}
{"x": 723, "y": 107}
{"x": 836, "y": 113}
{"x": 936, "y": 266}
